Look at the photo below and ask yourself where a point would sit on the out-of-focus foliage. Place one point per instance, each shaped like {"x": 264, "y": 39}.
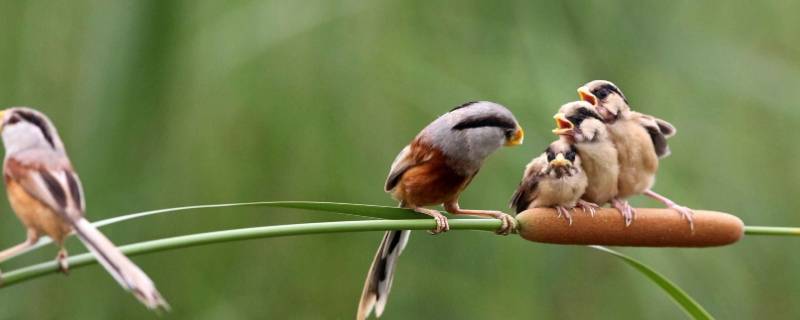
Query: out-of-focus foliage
{"x": 166, "y": 103}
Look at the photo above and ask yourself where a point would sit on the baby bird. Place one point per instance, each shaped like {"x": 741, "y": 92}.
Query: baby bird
{"x": 46, "y": 194}
{"x": 580, "y": 124}
{"x": 553, "y": 180}
{"x": 640, "y": 141}
{"x": 434, "y": 169}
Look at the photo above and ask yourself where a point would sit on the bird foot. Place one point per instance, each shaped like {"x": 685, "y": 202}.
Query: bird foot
{"x": 562, "y": 211}
{"x": 686, "y": 213}
{"x": 591, "y": 207}
{"x": 625, "y": 209}
{"x": 441, "y": 224}
{"x": 509, "y": 224}
{"x": 63, "y": 264}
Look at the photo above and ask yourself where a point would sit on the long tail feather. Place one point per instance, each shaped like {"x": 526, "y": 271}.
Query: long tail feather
{"x": 381, "y": 272}
{"x": 127, "y": 274}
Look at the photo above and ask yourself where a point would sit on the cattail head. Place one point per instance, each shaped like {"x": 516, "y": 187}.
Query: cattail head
{"x": 652, "y": 228}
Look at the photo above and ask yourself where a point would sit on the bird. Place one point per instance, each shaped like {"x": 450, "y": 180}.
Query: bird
{"x": 579, "y": 123}
{"x": 47, "y": 196}
{"x": 554, "y": 179}
{"x": 438, "y": 164}
{"x": 640, "y": 139}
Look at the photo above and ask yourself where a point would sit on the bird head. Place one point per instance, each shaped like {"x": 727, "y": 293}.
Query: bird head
{"x": 606, "y": 97}
{"x": 578, "y": 121}
{"x": 562, "y": 159}
{"x": 25, "y": 128}
{"x": 472, "y": 131}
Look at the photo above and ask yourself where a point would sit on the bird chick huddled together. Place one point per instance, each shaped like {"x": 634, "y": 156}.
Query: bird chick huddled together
{"x": 612, "y": 152}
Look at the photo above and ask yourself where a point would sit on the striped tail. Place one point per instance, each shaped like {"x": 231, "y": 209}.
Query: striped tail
{"x": 119, "y": 266}
{"x": 381, "y": 273}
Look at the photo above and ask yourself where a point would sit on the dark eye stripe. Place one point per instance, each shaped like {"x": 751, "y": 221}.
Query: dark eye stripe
{"x": 603, "y": 91}
{"x": 40, "y": 123}
{"x": 488, "y": 121}
{"x": 55, "y": 189}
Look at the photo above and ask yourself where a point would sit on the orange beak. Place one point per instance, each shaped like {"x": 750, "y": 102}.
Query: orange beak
{"x": 560, "y": 162}
{"x": 587, "y": 96}
{"x": 563, "y": 125}
{"x": 516, "y": 139}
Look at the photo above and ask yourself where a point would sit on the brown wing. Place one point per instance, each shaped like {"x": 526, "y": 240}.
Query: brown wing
{"x": 659, "y": 130}
{"x": 57, "y": 186}
{"x": 412, "y": 155}
{"x": 528, "y": 188}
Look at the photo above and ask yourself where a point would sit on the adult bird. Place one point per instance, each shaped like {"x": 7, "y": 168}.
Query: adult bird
{"x": 45, "y": 193}
{"x": 434, "y": 169}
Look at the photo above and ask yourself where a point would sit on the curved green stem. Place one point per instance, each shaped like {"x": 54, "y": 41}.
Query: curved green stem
{"x": 77, "y": 261}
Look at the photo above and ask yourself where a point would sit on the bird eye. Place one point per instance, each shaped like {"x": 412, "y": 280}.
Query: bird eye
{"x": 550, "y": 156}
{"x": 571, "y": 156}
{"x": 601, "y": 93}
{"x": 14, "y": 119}
{"x": 508, "y": 133}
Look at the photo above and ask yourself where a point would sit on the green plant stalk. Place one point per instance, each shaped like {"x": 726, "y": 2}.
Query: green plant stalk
{"x": 684, "y": 300}
{"x": 361, "y": 210}
{"x": 771, "y": 231}
{"x": 81, "y": 260}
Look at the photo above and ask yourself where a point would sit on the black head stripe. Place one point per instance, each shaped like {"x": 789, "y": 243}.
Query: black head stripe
{"x": 586, "y": 113}
{"x": 464, "y": 105}
{"x": 485, "y": 121}
{"x": 582, "y": 114}
{"x": 40, "y": 123}
{"x": 550, "y": 154}
{"x": 603, "y": 91}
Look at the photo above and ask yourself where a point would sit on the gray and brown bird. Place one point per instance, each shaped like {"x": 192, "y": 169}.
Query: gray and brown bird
{"x": 45, "y": 193}
{"x": 434, "y": 169}
{"x": 641, "y": 140}
{"x": 554, "y": 179}
{"x": 579, "y": 123}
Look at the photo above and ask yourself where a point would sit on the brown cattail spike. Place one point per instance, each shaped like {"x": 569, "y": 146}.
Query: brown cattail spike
{"x": 651, "y": 228}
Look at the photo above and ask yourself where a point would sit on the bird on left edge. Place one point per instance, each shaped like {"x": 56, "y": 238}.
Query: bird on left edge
{"x": 45, "y": 193}
{"x": 434, "y": 169}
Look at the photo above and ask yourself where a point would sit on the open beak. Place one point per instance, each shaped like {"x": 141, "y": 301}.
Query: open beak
{"x": 560, "y": 162}
{"x": 563, "y": 125}
{"x": 516, "y": 139}
{"x": 587, "y": 96}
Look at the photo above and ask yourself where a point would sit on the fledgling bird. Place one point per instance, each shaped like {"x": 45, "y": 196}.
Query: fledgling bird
{"x": 46, "y": 194}
{"x": 579, "y": 123}
{"x": 640, "y": 141}
{"x": 554, "y": 179}
{"x": 434, "y": 169}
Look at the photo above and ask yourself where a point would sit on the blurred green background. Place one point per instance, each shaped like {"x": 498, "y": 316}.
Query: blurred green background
{"x": 168, "y": 103}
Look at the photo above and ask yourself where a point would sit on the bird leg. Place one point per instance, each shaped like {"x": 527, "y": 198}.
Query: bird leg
{"x": 588, "y": 206}
{"x": 509, "y": 224}
{"x": 441, "y": 220}
{"x": 563, "y": 211}
{"x": 625, "y": 209}
{"x": 684, "y": 211}
{"x": 61, "y": 258}
{"x": 6, "y": 254}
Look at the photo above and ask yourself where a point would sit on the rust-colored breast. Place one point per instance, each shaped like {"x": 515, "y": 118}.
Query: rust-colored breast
{"x": 34, "y": 214}
{"x": 430, "y": 182}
